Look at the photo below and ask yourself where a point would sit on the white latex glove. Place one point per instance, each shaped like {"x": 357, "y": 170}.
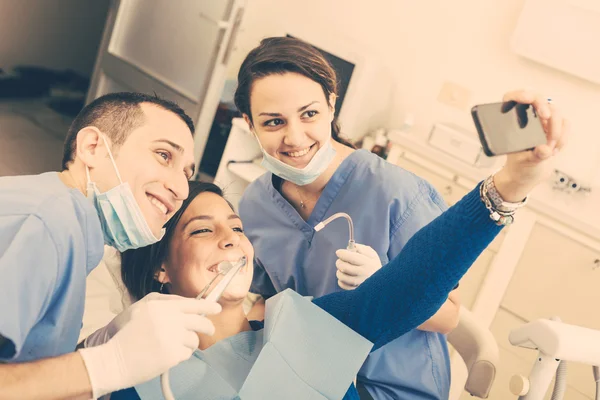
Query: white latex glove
{"x": 104, "y": 334}
{"x": 158, "y": 334}
{"x": 353, "y": 268}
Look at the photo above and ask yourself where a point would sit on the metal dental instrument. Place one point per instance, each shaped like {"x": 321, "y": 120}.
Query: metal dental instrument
{"x": 223, "y": 268}
{"x": 322, "y": 225}
{"x": 226, "y": 268}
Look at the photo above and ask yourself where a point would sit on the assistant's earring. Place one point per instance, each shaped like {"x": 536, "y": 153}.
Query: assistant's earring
{"x": 157, "y": 277}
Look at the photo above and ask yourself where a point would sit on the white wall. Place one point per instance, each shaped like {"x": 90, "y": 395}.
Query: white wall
{"x": 425, "y": 43}
{"x": 57, "y": 34}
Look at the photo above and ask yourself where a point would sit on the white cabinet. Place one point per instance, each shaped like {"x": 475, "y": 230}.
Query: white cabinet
{"x": 556, "y": 275}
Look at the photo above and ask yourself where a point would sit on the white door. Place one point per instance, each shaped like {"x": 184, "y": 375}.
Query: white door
{"x": 178, "y": 49}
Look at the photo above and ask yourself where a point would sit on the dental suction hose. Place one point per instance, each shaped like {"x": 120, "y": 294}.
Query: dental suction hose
{"x": 323, "y": 224}
{"x": 597, "y": 379}
{"x": 560, "y": 384}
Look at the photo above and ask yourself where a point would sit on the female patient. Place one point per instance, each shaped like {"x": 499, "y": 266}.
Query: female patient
{"x": 393, "y": 301}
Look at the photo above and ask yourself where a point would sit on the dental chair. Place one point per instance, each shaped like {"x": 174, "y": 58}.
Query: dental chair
{"x": 479, "y": 350}
{"x": 556, "y": 343}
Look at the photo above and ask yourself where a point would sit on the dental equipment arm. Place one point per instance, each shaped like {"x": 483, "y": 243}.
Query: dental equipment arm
{"x": 556, "y": 342}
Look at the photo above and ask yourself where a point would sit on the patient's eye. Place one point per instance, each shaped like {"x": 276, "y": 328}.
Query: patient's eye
{"x": 201, "y": 231}
{"x": 273, "y": 122}
{"x": 310, "y": 113}
{"x": 165, "y": 155}
{"x": 239, "y": 229}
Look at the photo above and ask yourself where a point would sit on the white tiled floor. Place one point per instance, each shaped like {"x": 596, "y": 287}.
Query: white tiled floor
{"x": 31, "y": 137}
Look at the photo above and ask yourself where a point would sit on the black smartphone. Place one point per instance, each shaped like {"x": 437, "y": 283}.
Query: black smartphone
{"x": 507, "y": 127}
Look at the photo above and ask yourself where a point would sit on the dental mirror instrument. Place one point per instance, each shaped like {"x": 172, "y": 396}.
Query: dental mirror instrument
{"x": 322, "y": 225}
{"x": 226, "y": 268}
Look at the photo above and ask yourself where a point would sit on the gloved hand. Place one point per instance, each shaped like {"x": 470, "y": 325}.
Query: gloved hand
{"x": 353, "y": 268}
{"x": 104, "y": 334}
{"x": 159, "y": 334}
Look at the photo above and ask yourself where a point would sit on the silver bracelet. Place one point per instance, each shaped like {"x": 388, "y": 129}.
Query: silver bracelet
{"x": 497, "y": 200}
{"x": 501, "y": 212}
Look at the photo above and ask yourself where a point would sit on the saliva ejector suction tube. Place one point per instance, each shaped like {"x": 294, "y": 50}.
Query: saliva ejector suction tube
{"x": 323, "y": 224}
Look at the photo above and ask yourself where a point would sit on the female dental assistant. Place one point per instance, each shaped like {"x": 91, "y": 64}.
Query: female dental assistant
{"x": 287, "y": 92}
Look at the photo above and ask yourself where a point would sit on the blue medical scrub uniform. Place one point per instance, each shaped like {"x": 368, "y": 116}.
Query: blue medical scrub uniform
{"x": 388, "y": 205}
{"x": 50, "y": 239}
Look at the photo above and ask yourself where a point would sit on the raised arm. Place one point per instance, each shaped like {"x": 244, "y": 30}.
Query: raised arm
{"x": 416, "y": 283}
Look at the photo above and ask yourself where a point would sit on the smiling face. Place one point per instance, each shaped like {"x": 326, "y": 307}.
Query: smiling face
{"x": 156, "y": 160}
{"x": 208, "y": 233}
{"x": 291, "y": 117}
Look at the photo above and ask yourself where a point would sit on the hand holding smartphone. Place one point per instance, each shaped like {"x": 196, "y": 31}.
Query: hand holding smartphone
{"x": 507, "y": 127}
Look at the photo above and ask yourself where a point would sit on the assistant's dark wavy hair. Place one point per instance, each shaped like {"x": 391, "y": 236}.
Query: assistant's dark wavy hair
{"x": 140, "y": 266}
{"x": 278, "y": 55}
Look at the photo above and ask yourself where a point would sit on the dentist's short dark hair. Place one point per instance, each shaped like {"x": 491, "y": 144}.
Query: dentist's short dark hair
{"x": 116, "y": 115}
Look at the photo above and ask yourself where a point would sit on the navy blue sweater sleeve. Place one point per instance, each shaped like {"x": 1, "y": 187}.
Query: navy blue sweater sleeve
{"x": 414, "y": 285}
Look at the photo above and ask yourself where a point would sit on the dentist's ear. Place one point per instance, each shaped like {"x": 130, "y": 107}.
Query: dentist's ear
{"x": 90, "y": 147}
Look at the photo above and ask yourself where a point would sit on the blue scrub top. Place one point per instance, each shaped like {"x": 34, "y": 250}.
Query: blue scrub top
{"x": 50, "y": 239}
{"x": 388, "y": 205}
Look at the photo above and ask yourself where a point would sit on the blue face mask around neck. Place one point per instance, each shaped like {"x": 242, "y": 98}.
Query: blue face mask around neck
{"x": 123, "y": 223}
{"x": 297, "y": 176}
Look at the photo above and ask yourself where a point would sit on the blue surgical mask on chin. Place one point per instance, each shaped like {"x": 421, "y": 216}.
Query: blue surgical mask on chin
{"x": 123, "y": 224}
{"x": 297, "y": 176}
